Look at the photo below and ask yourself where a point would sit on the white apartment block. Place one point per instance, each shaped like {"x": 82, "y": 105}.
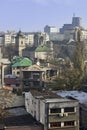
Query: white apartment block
{"x": 50, "y": 29}
{"x": 29, "y": 39}
{"x": 9, "y": 37}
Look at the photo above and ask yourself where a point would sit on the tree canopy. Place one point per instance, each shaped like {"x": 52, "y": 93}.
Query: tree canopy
{"x": 71, "y": 77}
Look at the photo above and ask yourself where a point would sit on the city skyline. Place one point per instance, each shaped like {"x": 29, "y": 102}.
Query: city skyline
{"x": 33, "y": 15}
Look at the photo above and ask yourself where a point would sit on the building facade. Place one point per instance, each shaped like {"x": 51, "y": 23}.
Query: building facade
{"x": 76, "y": 21}
{"x": 50, "y": 29}
{"x": 20, "y": 43}
{"x": 9, "y": 37}
{"x": 18, "y": 64}
{"x": 53, "y": 111}
{"x": 29, "y": 39}
{"x": 82, "y": 98}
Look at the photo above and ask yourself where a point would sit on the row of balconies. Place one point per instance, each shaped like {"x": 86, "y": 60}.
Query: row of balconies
{"x": 63, "y": 117}
{"x": 64, "y": 128}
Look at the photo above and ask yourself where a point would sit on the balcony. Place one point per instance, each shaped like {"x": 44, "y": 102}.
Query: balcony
{"x": 62, "y": 117}
{"x": 64, "y": 128}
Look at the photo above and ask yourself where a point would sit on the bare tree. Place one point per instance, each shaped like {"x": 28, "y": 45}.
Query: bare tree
{"x": 5, "y": 102}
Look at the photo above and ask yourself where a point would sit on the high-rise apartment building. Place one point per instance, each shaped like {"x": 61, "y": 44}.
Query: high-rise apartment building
{"x": 76, "y": 21}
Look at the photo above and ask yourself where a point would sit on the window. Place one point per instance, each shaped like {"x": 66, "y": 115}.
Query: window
{"x": 69, "y": 109}
{"x": 18, "y": 72}
{"x": 34, "y": 114}
{"x": 21, "y": 42}
{"x": 69, "y": 123}
{"x": 31, "y": 111}
{"x": 55, "y": 110}
{"x": 55, "y": 124}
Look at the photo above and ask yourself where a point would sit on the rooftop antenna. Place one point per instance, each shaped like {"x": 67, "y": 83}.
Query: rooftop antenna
{"x": 73, "y": 14}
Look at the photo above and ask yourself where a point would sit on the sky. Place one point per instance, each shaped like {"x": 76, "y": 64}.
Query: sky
{"x": 33, "y": 15}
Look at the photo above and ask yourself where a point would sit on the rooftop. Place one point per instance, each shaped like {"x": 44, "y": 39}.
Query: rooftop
{"x": 79, "y": 95}
{"x": 4, "y": 61}
{"x": 19, "y": 117}
{"x": 49, "y": 96}
{"x": 33, "y": 68}
{"x": 22, "y": 120}
{"x": 44, "y": 94}
{"x": 36, "y": 67}
{"x": 22, "y": 62}
{"x": 10, "y": 76}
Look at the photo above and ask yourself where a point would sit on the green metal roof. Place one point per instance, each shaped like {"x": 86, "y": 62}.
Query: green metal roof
{"x": 42, "y": 48}
{"x": 16, "y": 59}
{"x": 23, "y": 63}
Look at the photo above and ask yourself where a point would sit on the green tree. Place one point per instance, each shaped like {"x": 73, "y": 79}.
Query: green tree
{"x": 71, "y": 78}
{"x": 68, "y": 80}
{"x": 79, "y": 56}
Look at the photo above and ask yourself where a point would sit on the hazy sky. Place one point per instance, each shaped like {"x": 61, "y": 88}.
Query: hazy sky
{"x": 33, "y": 15}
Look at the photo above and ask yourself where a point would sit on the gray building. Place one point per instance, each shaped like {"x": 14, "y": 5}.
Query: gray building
{"x": 82, "y": 98}
{"x": 53, "y": 111}
{"x": 50, "y": 29}
{"x": 76, "y": 21}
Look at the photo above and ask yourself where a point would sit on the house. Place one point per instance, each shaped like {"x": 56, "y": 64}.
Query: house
{"x": 37, "y": 75}
{"x": 14, "y": 79}
{"x": 11, "y": 82}
{"x": 32, "y": 76}
{"x": 43, "y": 53}
{"x": 53, "y": 111}
{"x": 19, "y": 63}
